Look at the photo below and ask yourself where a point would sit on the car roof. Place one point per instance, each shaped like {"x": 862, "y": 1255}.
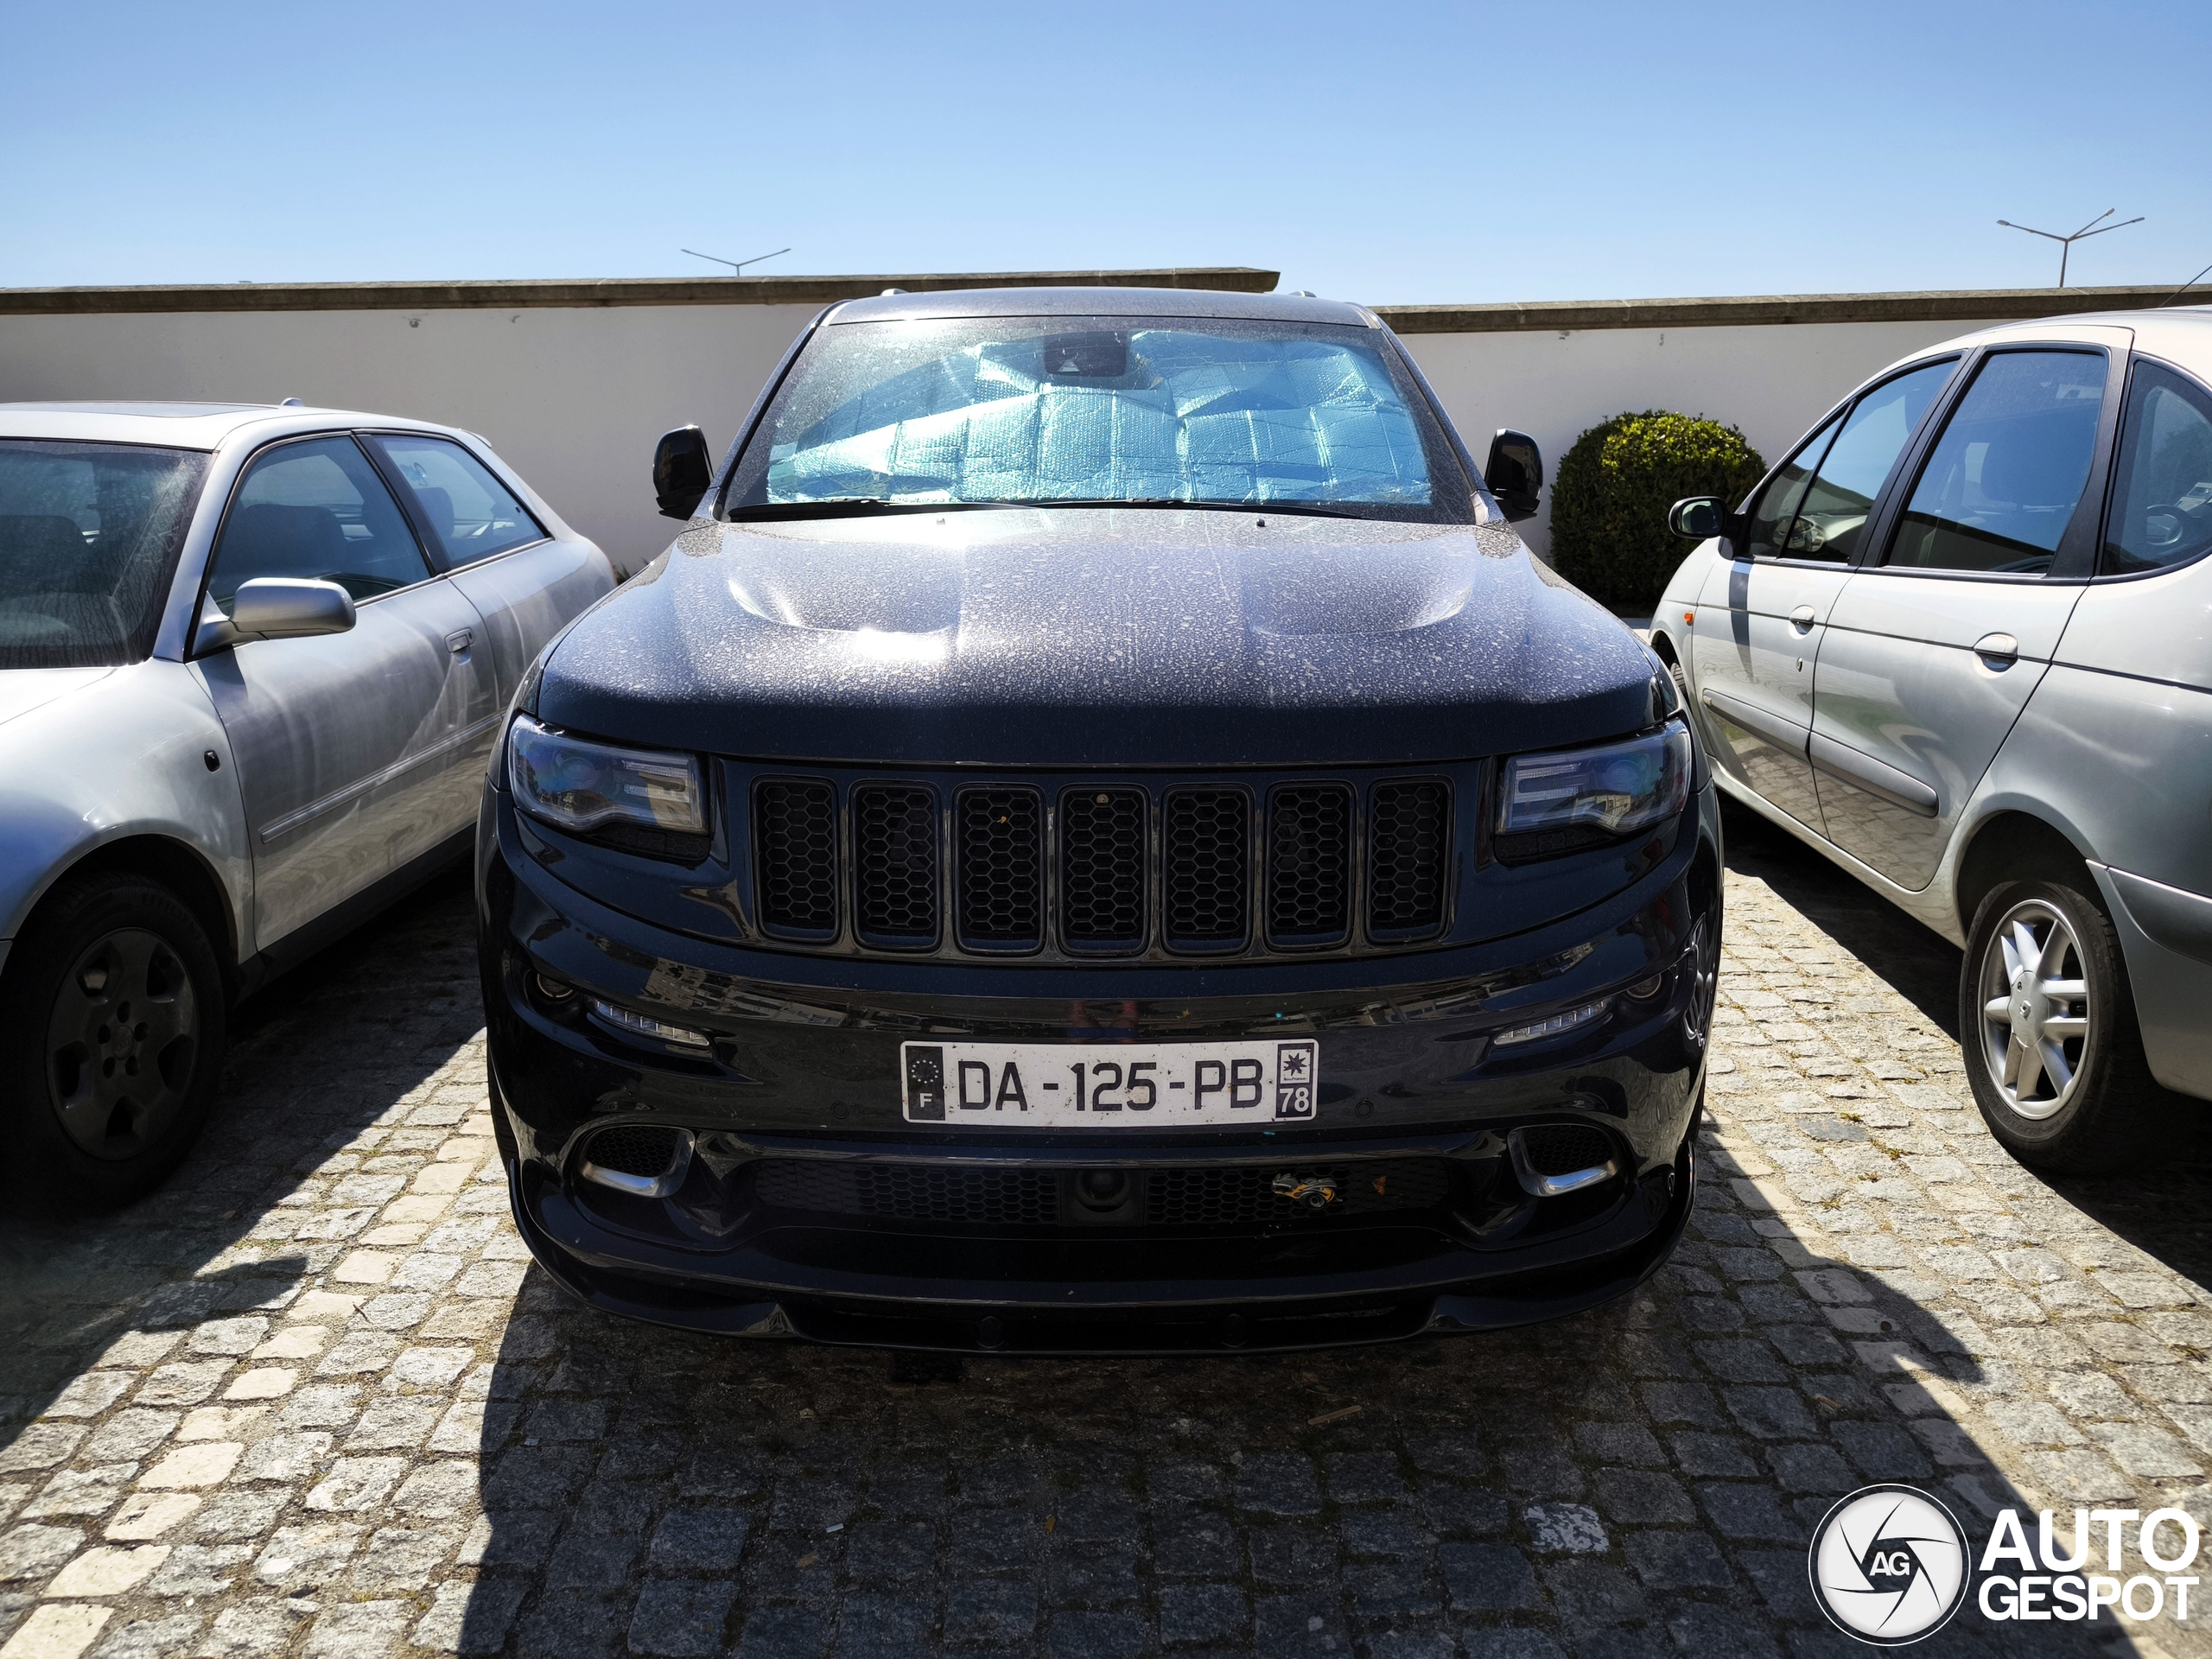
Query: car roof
{"x": 2181, "y": 332}
{"x": 177, "y": 425}
{"x": 1102, "y": 303}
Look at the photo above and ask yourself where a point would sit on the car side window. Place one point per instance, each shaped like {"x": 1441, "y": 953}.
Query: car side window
{"x": 1777, "y": 504}
{"x": 315, "y": 509}
{"x": 1831, "y": 518}
{"x": 471, "y": 514}
{"x": 2162, "y": 506}
{"x": 2001, "y": 483}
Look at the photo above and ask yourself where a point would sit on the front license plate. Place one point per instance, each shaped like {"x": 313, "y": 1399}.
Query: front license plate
{"x": 1127, "y": 1086}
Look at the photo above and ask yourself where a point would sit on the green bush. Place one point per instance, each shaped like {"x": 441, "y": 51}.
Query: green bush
{"x": 1609, "y": 503}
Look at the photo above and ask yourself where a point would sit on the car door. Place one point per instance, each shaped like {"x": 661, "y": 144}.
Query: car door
{"x": 525, "y": 584}
{"x": 1932, "y": 649}
{"x": 1760, "y": 622}
{"x": 347, "y": 745}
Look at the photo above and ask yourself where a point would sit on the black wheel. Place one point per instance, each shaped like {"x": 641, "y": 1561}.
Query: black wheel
{"x": 111, "y": 1028}
{"x": 2048, "y": 1022}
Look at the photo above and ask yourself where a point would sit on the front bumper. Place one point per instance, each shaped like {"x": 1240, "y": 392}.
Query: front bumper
{"x": 1416, "y": 1103}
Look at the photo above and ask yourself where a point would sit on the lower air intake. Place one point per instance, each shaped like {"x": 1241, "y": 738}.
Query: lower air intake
{"x": 641, "y": 1149}
{"x": 1565, "y": 1148}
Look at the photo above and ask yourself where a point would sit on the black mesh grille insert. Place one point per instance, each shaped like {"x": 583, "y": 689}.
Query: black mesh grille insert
{"x": 1309, "y": 864}
{"x": 894, "y": 878}
{"x": 1205, "y": 862}
{"x": 911, "y": 1192}
{"x": 1243, "y": 1196}
{"x": 1406, "y": 883}
{"x": 796, "y": 829}
{"x": 1101, "y": 868}
{"x": 1030, "y": 1197}
{"x": 633, "y": 1149}
{"x": 1002, "y": 868}
{"x": 1563, "y": 1148}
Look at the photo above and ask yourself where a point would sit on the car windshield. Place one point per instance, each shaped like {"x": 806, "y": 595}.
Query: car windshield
{"x": 1103, "y": 410}
{"x": 88, "y": 538}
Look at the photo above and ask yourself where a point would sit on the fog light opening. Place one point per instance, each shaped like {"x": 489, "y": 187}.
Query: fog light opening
{"x": 1558, "y": 1026}
{"x": 1551, "y": 1160}
{"x": 629, "y": 1158}
{"x": 633, "y": 1024}
{"x": 1644, "y": 989}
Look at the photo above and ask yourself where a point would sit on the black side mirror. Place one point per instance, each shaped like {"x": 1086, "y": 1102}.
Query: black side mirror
{"x": 1515, "y": 472}
{"x": 1695, "y": 517}
{"x": 682, "y": 472}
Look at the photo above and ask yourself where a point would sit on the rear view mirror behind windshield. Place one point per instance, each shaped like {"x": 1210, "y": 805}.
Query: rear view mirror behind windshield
{"x": 682, "y": 472}
{"x": 1515, "y": 472}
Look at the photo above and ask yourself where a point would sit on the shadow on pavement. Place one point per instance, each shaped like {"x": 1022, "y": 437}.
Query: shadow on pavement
{"x": 69, "y": 1283}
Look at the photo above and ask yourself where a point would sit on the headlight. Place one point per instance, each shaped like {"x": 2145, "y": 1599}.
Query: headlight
{"x": 580, "y": 786}
{"x": 1554, "y": 803}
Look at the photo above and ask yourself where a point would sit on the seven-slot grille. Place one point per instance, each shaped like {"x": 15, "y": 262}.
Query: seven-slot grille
{"x": 1196, "y": 869}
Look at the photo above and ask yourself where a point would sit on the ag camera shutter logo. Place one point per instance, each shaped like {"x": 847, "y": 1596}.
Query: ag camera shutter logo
{"x": 1889, "y": 1566}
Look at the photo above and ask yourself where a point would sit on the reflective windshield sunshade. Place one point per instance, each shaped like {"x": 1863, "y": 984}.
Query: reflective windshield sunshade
{"x": 1095, "y": 410}
{"x": 578, "y": 786}
{"x": 1609, "y": 788}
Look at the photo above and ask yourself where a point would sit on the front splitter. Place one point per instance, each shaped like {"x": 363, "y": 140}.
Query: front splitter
{"x": 1347, "y": 1320}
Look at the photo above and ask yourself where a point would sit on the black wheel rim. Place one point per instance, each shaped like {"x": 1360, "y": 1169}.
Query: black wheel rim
{"x": 122, "y": 1043}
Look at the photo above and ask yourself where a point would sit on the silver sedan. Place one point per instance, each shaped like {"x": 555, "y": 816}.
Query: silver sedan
{"x": 1961, "y": 641}
{"x": 252, "y": 663}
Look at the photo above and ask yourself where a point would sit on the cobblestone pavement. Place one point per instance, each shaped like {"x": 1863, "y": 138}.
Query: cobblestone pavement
{"x": 312, "y": 1399}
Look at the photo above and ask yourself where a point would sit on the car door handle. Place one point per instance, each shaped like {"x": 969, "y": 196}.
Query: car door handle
{"x": 1803, "y": 617}
{"x": 1998, "y": 651}
{"x": 460, "y": 640}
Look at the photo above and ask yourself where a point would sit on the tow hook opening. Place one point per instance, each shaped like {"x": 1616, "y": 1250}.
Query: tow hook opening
{"x": 1315, "y": 1189}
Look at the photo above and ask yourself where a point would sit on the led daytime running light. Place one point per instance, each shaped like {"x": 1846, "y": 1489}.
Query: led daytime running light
{"x": 644, "y": 1026}
{"x": 1572, "y": 1020}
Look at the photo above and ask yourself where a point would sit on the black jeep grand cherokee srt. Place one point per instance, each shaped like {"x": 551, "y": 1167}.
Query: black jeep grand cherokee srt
{"x": 1098, "y": 836}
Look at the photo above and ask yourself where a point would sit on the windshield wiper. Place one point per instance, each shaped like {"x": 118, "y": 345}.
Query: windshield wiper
{"x": 839, "y": 507}
{"x": 842, "y": 507}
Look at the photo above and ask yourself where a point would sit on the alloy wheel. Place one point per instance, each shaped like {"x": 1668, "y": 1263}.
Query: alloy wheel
{"x": 121, "y": 1042}
{"x": 2035, "y": 1016}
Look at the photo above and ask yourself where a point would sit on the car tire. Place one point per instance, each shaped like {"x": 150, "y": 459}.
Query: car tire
{"x": 111, "y": 1033}
{"x": 2047, "y": 1021}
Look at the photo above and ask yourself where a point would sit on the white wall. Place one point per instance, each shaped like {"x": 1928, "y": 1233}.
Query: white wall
{"x": 1774, "y": 380}
{"x": 574, "y": 396}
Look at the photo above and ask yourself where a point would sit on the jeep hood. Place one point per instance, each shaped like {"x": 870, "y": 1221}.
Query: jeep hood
{"x": 1098, "y": 637}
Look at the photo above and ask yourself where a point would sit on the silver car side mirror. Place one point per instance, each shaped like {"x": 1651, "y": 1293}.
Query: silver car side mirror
{"x": 287, "y": 607}
{"x": 276, "y": 607}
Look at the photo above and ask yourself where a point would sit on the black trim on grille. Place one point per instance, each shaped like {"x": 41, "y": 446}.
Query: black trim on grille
{"x": 895, "y": 865}
{"x": 1157, "y": 868}
{"x": 795, "y": 832}
{"x": 1309, "y": 865}
{"x": 1103, "y": 886}
{"x": 1409, "y": 835}
{"x": 1206, "y": 869}
{"x": 999, "y": 858}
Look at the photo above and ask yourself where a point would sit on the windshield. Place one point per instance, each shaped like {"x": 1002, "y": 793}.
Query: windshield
{"x": 1099, "y": 409}
{"x": 88, "y": 537}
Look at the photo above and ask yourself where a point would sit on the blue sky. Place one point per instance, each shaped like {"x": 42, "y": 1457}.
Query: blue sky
{"x": 1389, "y": 153}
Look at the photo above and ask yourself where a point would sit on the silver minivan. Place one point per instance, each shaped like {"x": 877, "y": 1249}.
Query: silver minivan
{"x": 252, "y": 659}
{"x": 1961, "y": 641}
